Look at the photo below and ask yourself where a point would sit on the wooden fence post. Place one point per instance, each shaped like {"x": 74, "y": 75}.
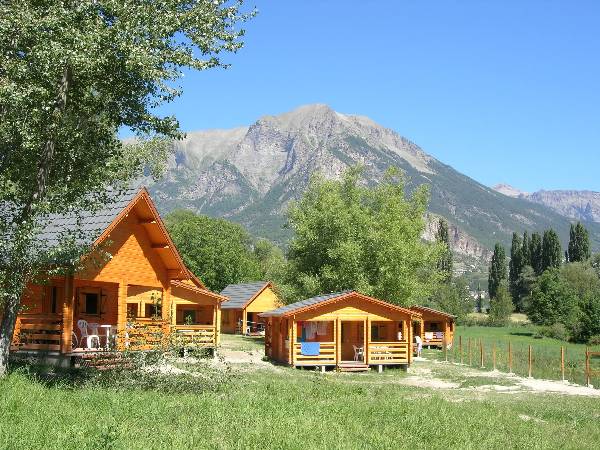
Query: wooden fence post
{"x": 460, "y": 348}
{"x": 587, "y": 367}
{"x": 562, "y": 362}
{"x": 509, "y": 357}
{"x": 470, "y": 354}
{"x": 481, "y": 351}
{"x": 529, "y": 371}
{"x": 494, "y": 355}
{"x": 445, "y": 344}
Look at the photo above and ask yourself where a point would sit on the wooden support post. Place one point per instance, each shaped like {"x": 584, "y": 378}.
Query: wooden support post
{"x": 529, "y": 371}
{"x": 322, "y": 369}
{"x": 244, "y": 321}
{"x": 481, "y": 352}
{"x": 460, "y": 349}
{"x": 67, "y": 315}
{"x": 290, "y": 325}
{"x": 494, "y": 355}
{"x": 509, "y": 357}
{"x": 293, "y": 341}
{"x": 367, "y": 339}
{"x": 445, "y": 344}
{"x": 562, "y": 362}
{"x": 338, "y": 342}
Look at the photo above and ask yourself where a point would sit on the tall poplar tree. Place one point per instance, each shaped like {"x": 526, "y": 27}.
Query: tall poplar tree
{"x": 515, "y": 267}
{"x": 497, "y": 272}
{"x": 579, "y": 244}
{"x": 551, "y": 250}
{"x": 445, "y": 262}
{"x": 526, "y": 250}
{"x": 536, "y": 253}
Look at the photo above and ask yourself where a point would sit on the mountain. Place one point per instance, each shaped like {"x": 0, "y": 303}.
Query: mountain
{"x": 249, "y": 174}
{"x": 576, "y": 205}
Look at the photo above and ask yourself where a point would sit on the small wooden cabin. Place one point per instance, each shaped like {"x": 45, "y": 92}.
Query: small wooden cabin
{"x": 240, "y": 313}
{"x": 435, "y": 327}
{"x": 142, "y": 290}
{"x": 347, "y": 330}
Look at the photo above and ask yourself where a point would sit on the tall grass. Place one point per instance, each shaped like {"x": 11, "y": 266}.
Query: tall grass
{"x": 546, "y": 353}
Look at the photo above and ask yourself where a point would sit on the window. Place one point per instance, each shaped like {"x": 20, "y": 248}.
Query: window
{"x": 132, "y": 310}
{"x": 91, "y": 303}
{"x": 151, "y": 310}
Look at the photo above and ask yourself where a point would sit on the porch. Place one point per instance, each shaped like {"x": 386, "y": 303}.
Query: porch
{"x": 350, "y": 342}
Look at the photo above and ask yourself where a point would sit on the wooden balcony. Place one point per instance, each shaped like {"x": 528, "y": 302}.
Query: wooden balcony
{"x": 198, "y": 335}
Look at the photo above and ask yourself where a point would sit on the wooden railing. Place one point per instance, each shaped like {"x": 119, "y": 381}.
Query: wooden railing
{"x": 37, "y": 332}
{"x": 388, "y": 353}
{"x": 434, "y": 340}
{"x": 144, "y": 334}
{"x": 326, "y": 355}
{"x": 199, "y": 335}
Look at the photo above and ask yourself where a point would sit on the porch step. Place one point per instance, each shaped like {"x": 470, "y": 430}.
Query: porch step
{"x": 352, "y": 367}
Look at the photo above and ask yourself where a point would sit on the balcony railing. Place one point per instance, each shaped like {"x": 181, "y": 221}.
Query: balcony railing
{"x": 37, "y": 332}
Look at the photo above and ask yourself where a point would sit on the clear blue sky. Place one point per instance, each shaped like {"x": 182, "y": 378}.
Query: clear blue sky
{"x": 504, "y": 91}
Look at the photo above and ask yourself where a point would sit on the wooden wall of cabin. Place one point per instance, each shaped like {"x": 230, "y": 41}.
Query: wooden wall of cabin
{"x": 186, "y": 302}
{"x": 230, "y": 319}
{"x": 265, "y": 301}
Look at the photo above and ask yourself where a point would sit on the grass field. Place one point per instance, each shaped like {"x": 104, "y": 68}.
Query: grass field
{"x": 279, "y": 407}
{"x": 545, "y": 351}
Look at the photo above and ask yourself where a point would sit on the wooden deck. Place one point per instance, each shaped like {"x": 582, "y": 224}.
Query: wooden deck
{"x": 377, "y": 353}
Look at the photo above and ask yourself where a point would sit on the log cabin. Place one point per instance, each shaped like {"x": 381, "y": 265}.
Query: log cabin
{"x": 240, "y": 314}
{"x": 435, "y": 327}
{"x": 136, "y": 295}
{"x": 345, "y": 330}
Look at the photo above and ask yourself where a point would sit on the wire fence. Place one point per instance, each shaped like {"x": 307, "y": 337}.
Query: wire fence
{"x": 580, "y": 366}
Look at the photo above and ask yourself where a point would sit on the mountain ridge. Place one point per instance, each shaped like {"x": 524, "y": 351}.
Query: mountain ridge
{"x": 249, "y": 175}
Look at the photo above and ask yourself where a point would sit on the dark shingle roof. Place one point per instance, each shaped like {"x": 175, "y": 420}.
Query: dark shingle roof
{"x": 304, "y": 303}
{"x": 431, "y": 310}
{"x": 86, "y": 225}
{"x": 240, "y": 294}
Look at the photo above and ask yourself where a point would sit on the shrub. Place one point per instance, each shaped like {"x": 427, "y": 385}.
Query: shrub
{"x": 594, "y": 340}
{"x": 501, "y": 307}
{"x": 555, "y": 331}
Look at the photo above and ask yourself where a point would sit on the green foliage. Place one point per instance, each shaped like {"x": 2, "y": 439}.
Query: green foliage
{"x": 216, "y": 250}
{"x": 589, "y": 326}
{"x": 553, "y": 300}
{"x": 497, "y": 272}
{"x": 526, "y": 250}
{"x": 551, "y": 250}
{"x": 516, "y": 264}
{"x": 348, "y": 236}
{"x": 501, "y": 306}
{"x": 72, "y": 75}
{"x": 454, "y": 298}
{"x": 555, "y": 331}
{"x": 536, "y": 253}
{"x": 445, "y": 262}
{"x": 579, "y": 243}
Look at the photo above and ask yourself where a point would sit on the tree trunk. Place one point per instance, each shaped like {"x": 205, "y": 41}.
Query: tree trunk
{"x": 7, "y": 327}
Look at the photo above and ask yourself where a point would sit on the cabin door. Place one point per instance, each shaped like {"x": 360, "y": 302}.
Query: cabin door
{"x": 353, "y": 341}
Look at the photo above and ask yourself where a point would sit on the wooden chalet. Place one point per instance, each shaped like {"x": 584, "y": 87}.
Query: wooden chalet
{"x": 347, "y": 330}
{"x": 435, "y": 327}
{"x": 240, "y": 313}
{"x": 140, "y": 295}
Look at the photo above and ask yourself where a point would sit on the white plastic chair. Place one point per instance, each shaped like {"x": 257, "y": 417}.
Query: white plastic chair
{"x": 359, "y": 353}
{"x": 89, "y": 337}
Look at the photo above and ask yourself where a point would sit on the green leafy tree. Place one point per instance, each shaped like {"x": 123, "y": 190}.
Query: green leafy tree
{"x": 536, "y": 253}
{"x": 497, "y": 272}
{"x": 551, "y": 250}
{"x": 501, "y": 306}
{"x": 553, "y": 301}
{"x": 525, "y": 284}
{"x": 579, "y": 244}
{"x": 515, "y": 267}
{"x": 453, "y": 298}
{"x": 219, "y": 252}
{"x": 350, "y": 236}
{"x": 590, "y": 317}
{"x": 526, "y": 250}
{"x": 445, "y": 262}
{"x": 73, "y": 74}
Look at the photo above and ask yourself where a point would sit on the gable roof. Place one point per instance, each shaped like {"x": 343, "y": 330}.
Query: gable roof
{"x": 240, "y": 295}
{"x": 423, "y": 309}
{"x": 320, "y": 300}
{"x": 92, "y": 227}
{"x": 198, "y": 290}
